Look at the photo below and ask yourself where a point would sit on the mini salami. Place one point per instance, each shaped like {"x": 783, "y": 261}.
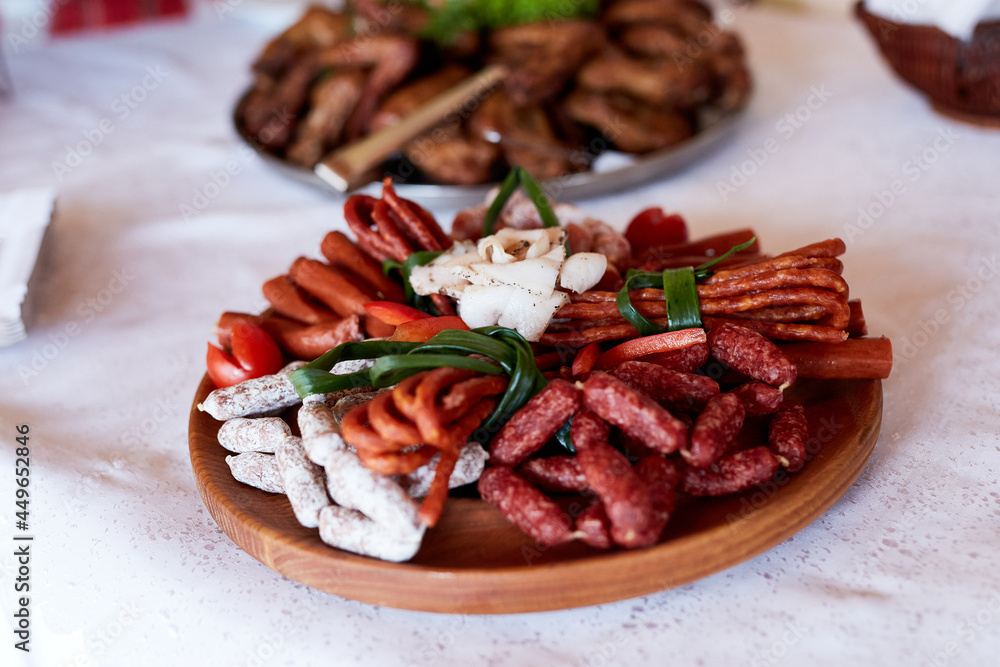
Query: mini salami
{"x": 303, "y": 481}
{"x": 680, "y": 391}
{"x": 593, "y": 527}
{"x": 525, "y": 506}
{"x": 788, "y": 434}
{"x": 748, "y": 352}
{"x": 624, "y": 495}
{"x": 685, "y": 360}
{"x": 257, "y": 470}
{"x": 638, "y": 415}
{"x": 713, "y": 430}
{"x": 351, "y": 530}
{"x": 661, "y": 476}
{"x": 253, "y": 397}
{"x": 733, "y": 473}
{"x": 532, "y": 426}
{"x": 759, "y": 398}
{"x": 264, "y": 434}
{"x": 560, "y": 474}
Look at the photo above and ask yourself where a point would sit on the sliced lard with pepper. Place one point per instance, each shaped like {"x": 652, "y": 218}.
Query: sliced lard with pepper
{"x": 511, "y": 278}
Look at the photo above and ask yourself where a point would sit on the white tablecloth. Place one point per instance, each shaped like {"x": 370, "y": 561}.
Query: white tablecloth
{"x": 129, "y": 569}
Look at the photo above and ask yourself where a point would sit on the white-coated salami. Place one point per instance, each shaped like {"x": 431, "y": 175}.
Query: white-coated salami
{"x": 263, "y": 434}
{"x": 303, "y": 481}
{"x": 253, "y": 397}
{"x": 257, "y": 470}
{"x": 320, "y": 431}
{"x": 352, "y": 531}
{"x": 468, "y": 468}
{"x": 351, "y": 484}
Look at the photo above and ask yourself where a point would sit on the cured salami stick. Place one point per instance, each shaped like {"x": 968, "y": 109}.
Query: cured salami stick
{"x": 330, "y": 286}
{"x": 624, "y": 495}
{"x": 748, "y": 352}
{"x": 303, "y": 481}
{"x": 759, "y": 398}
{"x": 264, "y": 434}
{"x": 257, "y": 470}
{"x": 788, "y": 434}
{"x": 532, "y": 426}
{"x": 854, "y": 358}
{"x": 829, "y": 248}
{"x": 781, "y": 330}
{"x": 351, "y": 530}
{"x": 780, "y": 279}
{"x": 253, "y": 397}
{"x": 342, "y": 253}
{"x": 288, "y": 300}
{"x": 639, "y": 416}
{"x": 525, "y": 506}
{"x": 835, "y": 304}
{"x": 733, "y": 473}
{"x": 683, "y": 391}
{"x": 714, "y": 429}
{"x": 559, "y": 474}
{"x": 776, "y": 264}
{"x": 593, "y": 527}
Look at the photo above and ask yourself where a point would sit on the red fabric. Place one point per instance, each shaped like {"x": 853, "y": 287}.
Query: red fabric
{"x": 73, "y": 15}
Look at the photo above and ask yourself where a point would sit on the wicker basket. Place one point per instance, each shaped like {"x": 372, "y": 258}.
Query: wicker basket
{"x": 960, "y": 78}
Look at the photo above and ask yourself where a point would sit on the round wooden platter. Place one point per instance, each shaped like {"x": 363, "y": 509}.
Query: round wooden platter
{"x": 474, "y": 561}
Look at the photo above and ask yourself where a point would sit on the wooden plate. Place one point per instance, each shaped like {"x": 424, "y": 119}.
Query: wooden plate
{"x": 474, "y": 561}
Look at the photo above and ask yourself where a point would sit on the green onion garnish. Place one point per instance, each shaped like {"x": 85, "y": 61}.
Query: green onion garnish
{"x": 506, "y": 351}
{"x": 702, "y": 272}
{"x": 519, "y": 176}
{"x": 420, "y": 258}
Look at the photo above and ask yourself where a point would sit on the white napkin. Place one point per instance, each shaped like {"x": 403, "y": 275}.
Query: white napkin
{"x": 956, "y": 17}
{"x": 24, "y": 215}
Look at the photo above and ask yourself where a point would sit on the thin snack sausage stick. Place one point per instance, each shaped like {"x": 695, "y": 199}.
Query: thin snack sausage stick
{"x": 829, "y": 248}
{"x": 288, "y": 300}
{"x": 776, "y": 264}
{"x": 782, "y": 330}
{"x": 330, "y": 286}
{"x": 342, "y": 253}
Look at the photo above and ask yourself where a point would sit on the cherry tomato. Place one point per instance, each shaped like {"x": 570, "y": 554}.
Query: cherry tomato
{"x": 652, "y": 228}
{"x": 223, "y": 369}
{"x": 254, "y": 354}
{"x": 255, "y": 350}
{"x": 419, "y": 331}
{"x": 394, "y": 313}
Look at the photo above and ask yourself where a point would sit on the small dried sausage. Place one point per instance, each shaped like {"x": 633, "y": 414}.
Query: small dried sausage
{"x": 682, "y": 391}
{"x": 263, "y": 434}
{"x": 788, "y": 434}
{"x": 559, "y": 474}
{"x": 624, "y": 495}
{"x": 759, "y": 398}
{"x": 748, "y": 352}
{"x": 733, "y": 473}
{"x": 525, "y": 506}
{"x": 714, "y": 429}
{"x": 532, "y": 426}
{"x": 638, "y": 415}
